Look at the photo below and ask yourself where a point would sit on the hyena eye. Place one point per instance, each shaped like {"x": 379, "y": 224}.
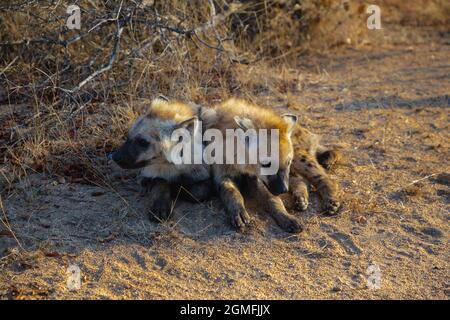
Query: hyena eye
{"x": 142, "y": 142}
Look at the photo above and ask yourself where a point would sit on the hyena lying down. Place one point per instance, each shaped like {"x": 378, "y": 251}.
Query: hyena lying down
{"x": 310, "y": 161}
{"x": 235, "y": 182}
{"x": 149, "y": 145}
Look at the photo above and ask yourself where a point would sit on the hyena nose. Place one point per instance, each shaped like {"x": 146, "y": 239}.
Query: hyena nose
{"x": 284, "y": 188}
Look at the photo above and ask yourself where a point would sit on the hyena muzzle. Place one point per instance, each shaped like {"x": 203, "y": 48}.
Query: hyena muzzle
{"x": 148, "y": 147}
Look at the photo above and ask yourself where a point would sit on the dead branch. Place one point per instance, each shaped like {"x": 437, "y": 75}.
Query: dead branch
{"x": 106, "y": 67}
{"x": 216, "y": 19}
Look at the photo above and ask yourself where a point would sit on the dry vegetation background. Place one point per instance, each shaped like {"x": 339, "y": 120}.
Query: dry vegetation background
{"x": 67, "y": 98}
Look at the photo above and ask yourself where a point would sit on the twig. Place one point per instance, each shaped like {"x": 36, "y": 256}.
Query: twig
{"x": 7, "y": 225}
{"x": 217, "y": 18}
{"x": 8, "y": 66}
{"x": 106, "y": 67}
{"x": 418, "y": 180}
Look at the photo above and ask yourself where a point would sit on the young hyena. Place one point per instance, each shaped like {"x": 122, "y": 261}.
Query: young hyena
{"x": 310, "y": 161}
{"x": 235, "y": 182}
{"x": 149, "y": 147}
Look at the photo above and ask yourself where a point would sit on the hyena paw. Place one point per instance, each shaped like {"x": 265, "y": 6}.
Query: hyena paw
{"x": 240, "y": 219}
{"x": 160, "y": 210}
{"x": 301, "y": 203}
{"x": 290, "y": 224}
{"x": 332, "y": 207}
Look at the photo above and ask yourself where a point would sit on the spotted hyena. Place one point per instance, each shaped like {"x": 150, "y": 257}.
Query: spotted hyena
{"x": 237, "y": 182}
{"x": 310, "y": 161}
{"x": 148, "y": 147}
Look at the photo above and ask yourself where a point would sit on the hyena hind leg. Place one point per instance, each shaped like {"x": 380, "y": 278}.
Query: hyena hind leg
{"x": 274, "y": 206}
{"x": 299, "y": 189}
{"x": 328, "y": 157}
{"x": 233, "y": 202}
{"x": 309, "y": 168}
{"x": 158, "y": 198}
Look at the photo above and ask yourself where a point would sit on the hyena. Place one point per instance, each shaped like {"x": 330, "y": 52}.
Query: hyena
{"x": 234, "y": 182}
{"x": 310, "y": 161}
{"x": 149, "y": 146}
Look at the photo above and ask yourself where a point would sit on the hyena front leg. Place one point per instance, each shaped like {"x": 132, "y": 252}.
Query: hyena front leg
{"x": 275, "y": 207}
{"x": 197, "y": 192}
{"x": 233, "y": 201}
{"x": 299, "y": 190}
{"x": 308, "y": 167}
{"x": 157, "y": 193}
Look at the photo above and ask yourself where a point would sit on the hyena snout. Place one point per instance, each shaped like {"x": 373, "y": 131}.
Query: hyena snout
{"x": 126, "y": 156}
{"x": 279, "y": 183}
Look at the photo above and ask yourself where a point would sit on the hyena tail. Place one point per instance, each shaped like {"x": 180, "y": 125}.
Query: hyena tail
{"x": 328, "y": 157}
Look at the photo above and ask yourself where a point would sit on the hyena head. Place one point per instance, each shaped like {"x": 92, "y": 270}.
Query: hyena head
{"x": 149, "y": 139}
{"x": 278, "y": 182}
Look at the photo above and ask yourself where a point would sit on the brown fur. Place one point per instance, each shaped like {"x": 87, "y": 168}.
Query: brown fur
{"x": 309, "y": 165}
{"x": 160, "y": 179}
{"x": 235, "y": 181}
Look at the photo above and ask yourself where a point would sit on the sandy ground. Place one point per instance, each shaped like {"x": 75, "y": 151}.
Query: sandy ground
{"x": 389, "y": 107}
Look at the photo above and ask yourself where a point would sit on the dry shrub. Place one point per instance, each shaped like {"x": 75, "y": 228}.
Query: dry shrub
{"x": 283, "y": 28}
{"x": 158, "y": 50}
{"x": 415, "y": 13}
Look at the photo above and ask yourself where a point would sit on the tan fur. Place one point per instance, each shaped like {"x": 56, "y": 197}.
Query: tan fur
{"x": 174, "y": 111}
{"x": 263, "y": 118}
{"x": 306, "y": 167}
{"x": 227, "y": 176}
{"x": 160, "y": 177}
{"x": 155, "y": 127}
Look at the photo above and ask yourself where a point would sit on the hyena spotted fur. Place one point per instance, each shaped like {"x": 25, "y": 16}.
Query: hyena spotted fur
{"x": 237, "y": 182}
{"x": 148, "y": 146}
{"x": 310, "y": 161}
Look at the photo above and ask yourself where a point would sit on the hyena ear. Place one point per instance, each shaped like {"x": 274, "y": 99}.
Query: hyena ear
{"x": 158, "y": 102}
{"x": 189, "y": 124}
{"x": 244, "y": 123}
{"x": 291, "y": 120}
